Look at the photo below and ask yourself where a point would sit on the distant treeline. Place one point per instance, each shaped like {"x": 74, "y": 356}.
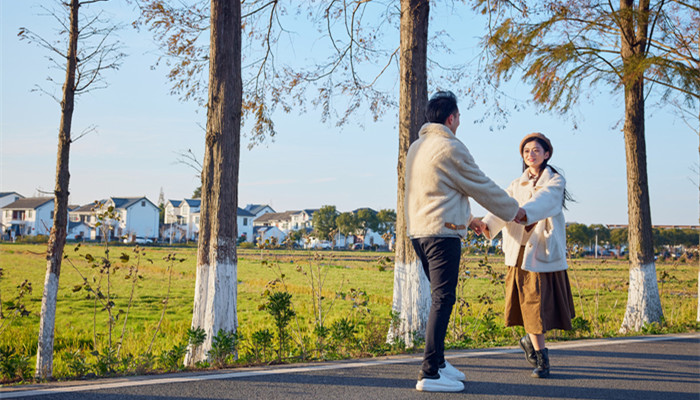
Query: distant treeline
{"x": 585, "y": 234}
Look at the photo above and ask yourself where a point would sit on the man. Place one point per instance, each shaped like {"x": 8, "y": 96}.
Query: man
{"x": 441, "y": 176}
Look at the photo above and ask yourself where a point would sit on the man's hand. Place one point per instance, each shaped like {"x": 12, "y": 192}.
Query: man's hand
{"x": 478, "y": 226}
{"x": 520, "y": 217}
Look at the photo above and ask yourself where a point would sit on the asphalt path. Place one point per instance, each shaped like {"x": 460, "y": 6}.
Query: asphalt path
{"x": 665, "y": 367}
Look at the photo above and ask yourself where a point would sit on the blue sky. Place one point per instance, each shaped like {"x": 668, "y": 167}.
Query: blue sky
{"x": 140, "y": 128}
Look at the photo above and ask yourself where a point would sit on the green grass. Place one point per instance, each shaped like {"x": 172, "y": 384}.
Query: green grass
{"x": 599, "y": 288}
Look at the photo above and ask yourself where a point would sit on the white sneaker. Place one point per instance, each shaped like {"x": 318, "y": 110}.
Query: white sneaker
{"x": 442, "y": 384}
{"x": 451, "y": 372}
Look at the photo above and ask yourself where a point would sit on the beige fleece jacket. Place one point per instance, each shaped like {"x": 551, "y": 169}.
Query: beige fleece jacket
{"x": 545, "y": 248}
{"x": 441, "y": 176}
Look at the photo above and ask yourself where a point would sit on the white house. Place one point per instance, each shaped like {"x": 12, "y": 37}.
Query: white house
{"x": 29, "y": 216}
{"x": 79, "y": 231}
{"x": 189, "y": 213}
{"x": 137, "y": 217}
{"x": 8, "y": 198}
{"x": 302, "y": 219}
{"x": 282, "y": 220}
{"x": 244, "y": 220}
{"x": 172, "y": 212}
{"x": 5, "y": 199}
{"x": 271, "y": 233}
{"x": 258, "y": 209}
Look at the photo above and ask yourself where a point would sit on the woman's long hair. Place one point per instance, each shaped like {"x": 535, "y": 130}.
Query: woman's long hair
{"x": 545, "y": 164}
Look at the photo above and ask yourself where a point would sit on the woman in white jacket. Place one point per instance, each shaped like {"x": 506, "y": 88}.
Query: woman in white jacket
{"x": 538, "y": 293}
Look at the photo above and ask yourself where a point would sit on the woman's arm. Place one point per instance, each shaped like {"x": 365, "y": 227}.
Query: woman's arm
{"x": 547, "y": 200}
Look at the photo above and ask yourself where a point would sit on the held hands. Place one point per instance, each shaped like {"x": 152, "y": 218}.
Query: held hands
{"x": 520, "y": 217}
{"x": 478, "y": 226}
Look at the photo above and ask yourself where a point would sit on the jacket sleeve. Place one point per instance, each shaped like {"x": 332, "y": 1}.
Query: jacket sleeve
{"x": 547, "y": 200}
{"x": 494, "y": 223}
{"x": 468, "y": 179}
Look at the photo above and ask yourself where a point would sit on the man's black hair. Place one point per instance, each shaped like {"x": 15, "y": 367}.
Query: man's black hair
{"x": 440, "y": 106}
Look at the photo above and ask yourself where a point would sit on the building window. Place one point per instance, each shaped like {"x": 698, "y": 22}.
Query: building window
{"x": 51, "y": 217}
{"x": 245, "y": 221}
{"x": 29, "y": 214}
{"x": 143, "y": 203}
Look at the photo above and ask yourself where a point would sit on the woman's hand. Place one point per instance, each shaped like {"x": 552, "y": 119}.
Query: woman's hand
{"x": 478, "y": 226}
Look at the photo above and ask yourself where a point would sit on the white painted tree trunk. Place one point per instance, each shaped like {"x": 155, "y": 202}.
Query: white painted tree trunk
{"x": 215, "y": 305}
{"x": 216, "y": 283}
{"x": 411, "y": 301}
{"x": 643, "y": 303}
{"x": 44, "y": 356}
{"x": 411, "y": 288}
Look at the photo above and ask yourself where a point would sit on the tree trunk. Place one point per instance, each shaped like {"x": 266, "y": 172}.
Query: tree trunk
{"x": 411, "y": 288}
{"x": 643, "y": 302}
{"x": 57, "y": 238}
{"x": 217, "y": 263}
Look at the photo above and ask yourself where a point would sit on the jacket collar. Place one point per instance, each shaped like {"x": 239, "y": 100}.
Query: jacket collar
{"x": 546, "y": 176}
{"x": 435, "y": 129}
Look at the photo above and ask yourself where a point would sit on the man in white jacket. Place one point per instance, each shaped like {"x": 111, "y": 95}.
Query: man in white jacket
{"x": 441, "y": 176}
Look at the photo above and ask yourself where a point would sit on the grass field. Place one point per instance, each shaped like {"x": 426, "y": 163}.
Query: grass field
{"x": 600, "y": 293}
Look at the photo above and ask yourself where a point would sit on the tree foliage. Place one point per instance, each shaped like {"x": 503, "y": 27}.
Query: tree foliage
{"x": 562, "y": 47}
{"x": 324, "y": 221}
{"x": 351, "y": 65}
{"x": 348, "y": 224}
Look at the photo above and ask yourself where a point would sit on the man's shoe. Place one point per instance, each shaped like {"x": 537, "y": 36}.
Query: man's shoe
{"x": 529, "y": 350}
{"x": 542, "y": 368}
{"x": 439, "y": 384}
{"x": 451, "y": 372}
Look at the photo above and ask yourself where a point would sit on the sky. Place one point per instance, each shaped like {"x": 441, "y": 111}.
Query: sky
{"x": 140, "y": 129}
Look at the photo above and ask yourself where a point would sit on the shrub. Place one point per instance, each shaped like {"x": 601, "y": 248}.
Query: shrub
{"x": 223, "y": 347}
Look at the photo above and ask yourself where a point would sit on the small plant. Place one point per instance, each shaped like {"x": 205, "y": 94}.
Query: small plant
{"x": 195, "y": 337}
{"x": 14, "y": 366}
{"x": 144, "y": 363}
{"x": 106, "y": 362}
{"x": 343, "y": 335}
{"x": 76, "y": 363}
{"x": 279, "y": 306}
{"x": 581, "y": 325}
{"x": 172, "y": 360}
{"x": 261, "y": 341}
{"x": 223, "y": 347}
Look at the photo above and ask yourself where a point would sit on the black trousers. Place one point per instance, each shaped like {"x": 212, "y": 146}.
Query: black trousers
{"x": 440, "y": 257}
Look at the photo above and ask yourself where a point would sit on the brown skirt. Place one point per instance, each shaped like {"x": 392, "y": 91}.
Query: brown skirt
{"x": 538, "y": 301}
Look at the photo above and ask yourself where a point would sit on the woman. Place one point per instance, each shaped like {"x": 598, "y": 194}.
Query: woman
{"x": 538, "y": 293}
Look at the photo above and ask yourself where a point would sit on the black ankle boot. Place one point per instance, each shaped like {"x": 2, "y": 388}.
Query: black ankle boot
{"x": 542, "y": 369}
{"x": 526, "y": 345}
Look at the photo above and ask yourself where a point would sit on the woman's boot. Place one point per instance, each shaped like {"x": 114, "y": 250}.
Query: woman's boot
{"x": 542, "y": 370}
{"x": 526, "y": 345}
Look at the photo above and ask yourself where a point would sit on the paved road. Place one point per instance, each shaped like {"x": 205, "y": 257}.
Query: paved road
{"x": 640, "y": 368}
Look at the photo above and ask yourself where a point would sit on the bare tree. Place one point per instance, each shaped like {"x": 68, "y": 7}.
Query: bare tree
{"x": 215, "y": 286}
{"x": 563, "y": 46}
{"x": 84, "y": 63}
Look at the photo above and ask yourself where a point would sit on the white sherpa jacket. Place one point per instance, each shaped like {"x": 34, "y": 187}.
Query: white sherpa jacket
{"x": 545, "y": 250}
{"x": 441, "y": 176}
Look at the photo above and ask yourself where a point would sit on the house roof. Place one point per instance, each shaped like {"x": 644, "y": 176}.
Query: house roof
{"x": 125, "y": 202}
{"x": 310, "y": 211}
{"x": 283, "y": 216}
{"x": 87, "y": 208}
{"x": 28, "y": 203}
{"x": 3, "y": 194}
{"x": 193, "y": 202}
{"x": 175, "y": 203}
{"x": 72, "y": 225}
{"x": 244, "y": 213}
{"x": 256, "y": 208}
